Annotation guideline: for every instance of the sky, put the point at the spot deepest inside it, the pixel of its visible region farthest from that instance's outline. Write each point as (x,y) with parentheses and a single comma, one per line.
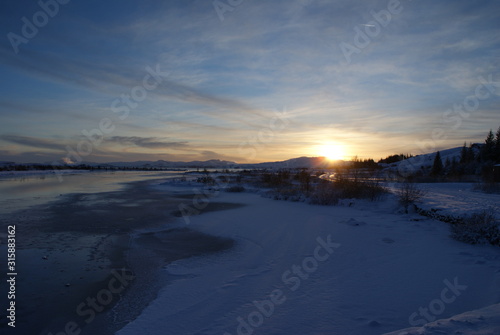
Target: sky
(245,80)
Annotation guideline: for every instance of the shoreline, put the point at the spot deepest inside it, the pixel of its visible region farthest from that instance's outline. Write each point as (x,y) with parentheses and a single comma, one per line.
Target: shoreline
(71,249)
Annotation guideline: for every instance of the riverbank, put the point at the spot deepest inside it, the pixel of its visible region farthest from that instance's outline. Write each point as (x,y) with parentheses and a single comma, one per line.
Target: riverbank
(92,261)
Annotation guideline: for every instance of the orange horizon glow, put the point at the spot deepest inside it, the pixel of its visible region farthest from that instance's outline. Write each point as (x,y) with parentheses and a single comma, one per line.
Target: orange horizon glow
(332,151)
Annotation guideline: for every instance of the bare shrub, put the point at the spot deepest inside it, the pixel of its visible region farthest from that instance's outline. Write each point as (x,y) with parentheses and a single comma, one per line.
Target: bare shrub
(325,194)
(478,228)
(235,189)
(329,193)
(487,187)
(374,191)
(408,193)
(206,180)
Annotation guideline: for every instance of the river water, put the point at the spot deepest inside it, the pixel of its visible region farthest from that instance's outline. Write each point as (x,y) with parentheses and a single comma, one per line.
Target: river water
(20,190)
(69,235)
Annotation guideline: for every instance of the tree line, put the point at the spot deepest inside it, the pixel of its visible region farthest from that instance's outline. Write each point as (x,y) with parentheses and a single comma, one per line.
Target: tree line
(475,159)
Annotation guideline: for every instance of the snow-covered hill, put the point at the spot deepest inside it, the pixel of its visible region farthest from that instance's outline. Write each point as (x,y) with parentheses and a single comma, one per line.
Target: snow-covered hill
(424,161)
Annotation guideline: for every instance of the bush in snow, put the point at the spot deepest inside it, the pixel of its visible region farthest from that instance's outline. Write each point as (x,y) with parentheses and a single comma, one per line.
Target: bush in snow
(325,194)
(235,188)
(478,228)
(290,194)
(488,187)
(277,180)
(329,193)
(408,192)
(206,180)
(349,188)
(374,191)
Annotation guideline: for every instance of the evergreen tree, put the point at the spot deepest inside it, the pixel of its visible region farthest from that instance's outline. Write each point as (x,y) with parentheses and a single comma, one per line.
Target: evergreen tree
(463,154)
(497,146)
(488,149)
(454,167)
(437,166)
(447,164)
(470,153)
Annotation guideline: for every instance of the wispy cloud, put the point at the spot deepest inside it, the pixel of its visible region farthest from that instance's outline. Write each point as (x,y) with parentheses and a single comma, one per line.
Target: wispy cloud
(112,78)
(146,142)
(225,78)
(33,142)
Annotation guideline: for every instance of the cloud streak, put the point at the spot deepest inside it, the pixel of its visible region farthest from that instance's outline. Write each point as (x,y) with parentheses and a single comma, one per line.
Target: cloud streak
(226,78)
(33,142)
(111,78)
(147,142)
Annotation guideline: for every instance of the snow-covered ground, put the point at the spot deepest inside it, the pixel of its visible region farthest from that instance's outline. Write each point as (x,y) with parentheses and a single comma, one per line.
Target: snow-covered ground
(454,198)
(304,269)
(484,321)
(458,198)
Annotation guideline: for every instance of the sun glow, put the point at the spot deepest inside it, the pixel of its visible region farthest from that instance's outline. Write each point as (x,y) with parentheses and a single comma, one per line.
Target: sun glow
(332,151)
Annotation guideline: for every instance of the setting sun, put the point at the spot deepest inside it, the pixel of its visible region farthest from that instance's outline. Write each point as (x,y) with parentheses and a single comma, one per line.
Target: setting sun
(332,151)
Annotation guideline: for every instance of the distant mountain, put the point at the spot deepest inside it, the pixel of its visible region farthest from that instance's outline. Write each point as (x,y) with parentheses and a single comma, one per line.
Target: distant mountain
(412,164)
(294,163)
(301,162)
(213,163)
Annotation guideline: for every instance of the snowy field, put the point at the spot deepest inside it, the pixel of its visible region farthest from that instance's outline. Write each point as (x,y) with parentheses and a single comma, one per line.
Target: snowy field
(454,199)
(305,269)
(458,198)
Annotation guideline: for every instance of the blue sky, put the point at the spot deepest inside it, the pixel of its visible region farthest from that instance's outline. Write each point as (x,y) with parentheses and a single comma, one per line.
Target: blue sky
(245,80)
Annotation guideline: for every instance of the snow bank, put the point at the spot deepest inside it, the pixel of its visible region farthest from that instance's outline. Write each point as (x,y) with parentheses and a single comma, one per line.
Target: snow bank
(484,321)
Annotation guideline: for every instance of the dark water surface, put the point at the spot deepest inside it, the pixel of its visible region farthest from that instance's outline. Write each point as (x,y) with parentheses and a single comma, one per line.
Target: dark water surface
(21,190)
(73,238)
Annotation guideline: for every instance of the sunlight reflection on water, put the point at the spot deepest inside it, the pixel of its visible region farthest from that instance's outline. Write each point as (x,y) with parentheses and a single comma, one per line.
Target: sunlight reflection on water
(21,191)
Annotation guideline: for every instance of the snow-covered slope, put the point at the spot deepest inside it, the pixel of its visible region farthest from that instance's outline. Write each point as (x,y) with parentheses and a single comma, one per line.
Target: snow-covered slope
(303,269)
(416,163)
(455,199)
